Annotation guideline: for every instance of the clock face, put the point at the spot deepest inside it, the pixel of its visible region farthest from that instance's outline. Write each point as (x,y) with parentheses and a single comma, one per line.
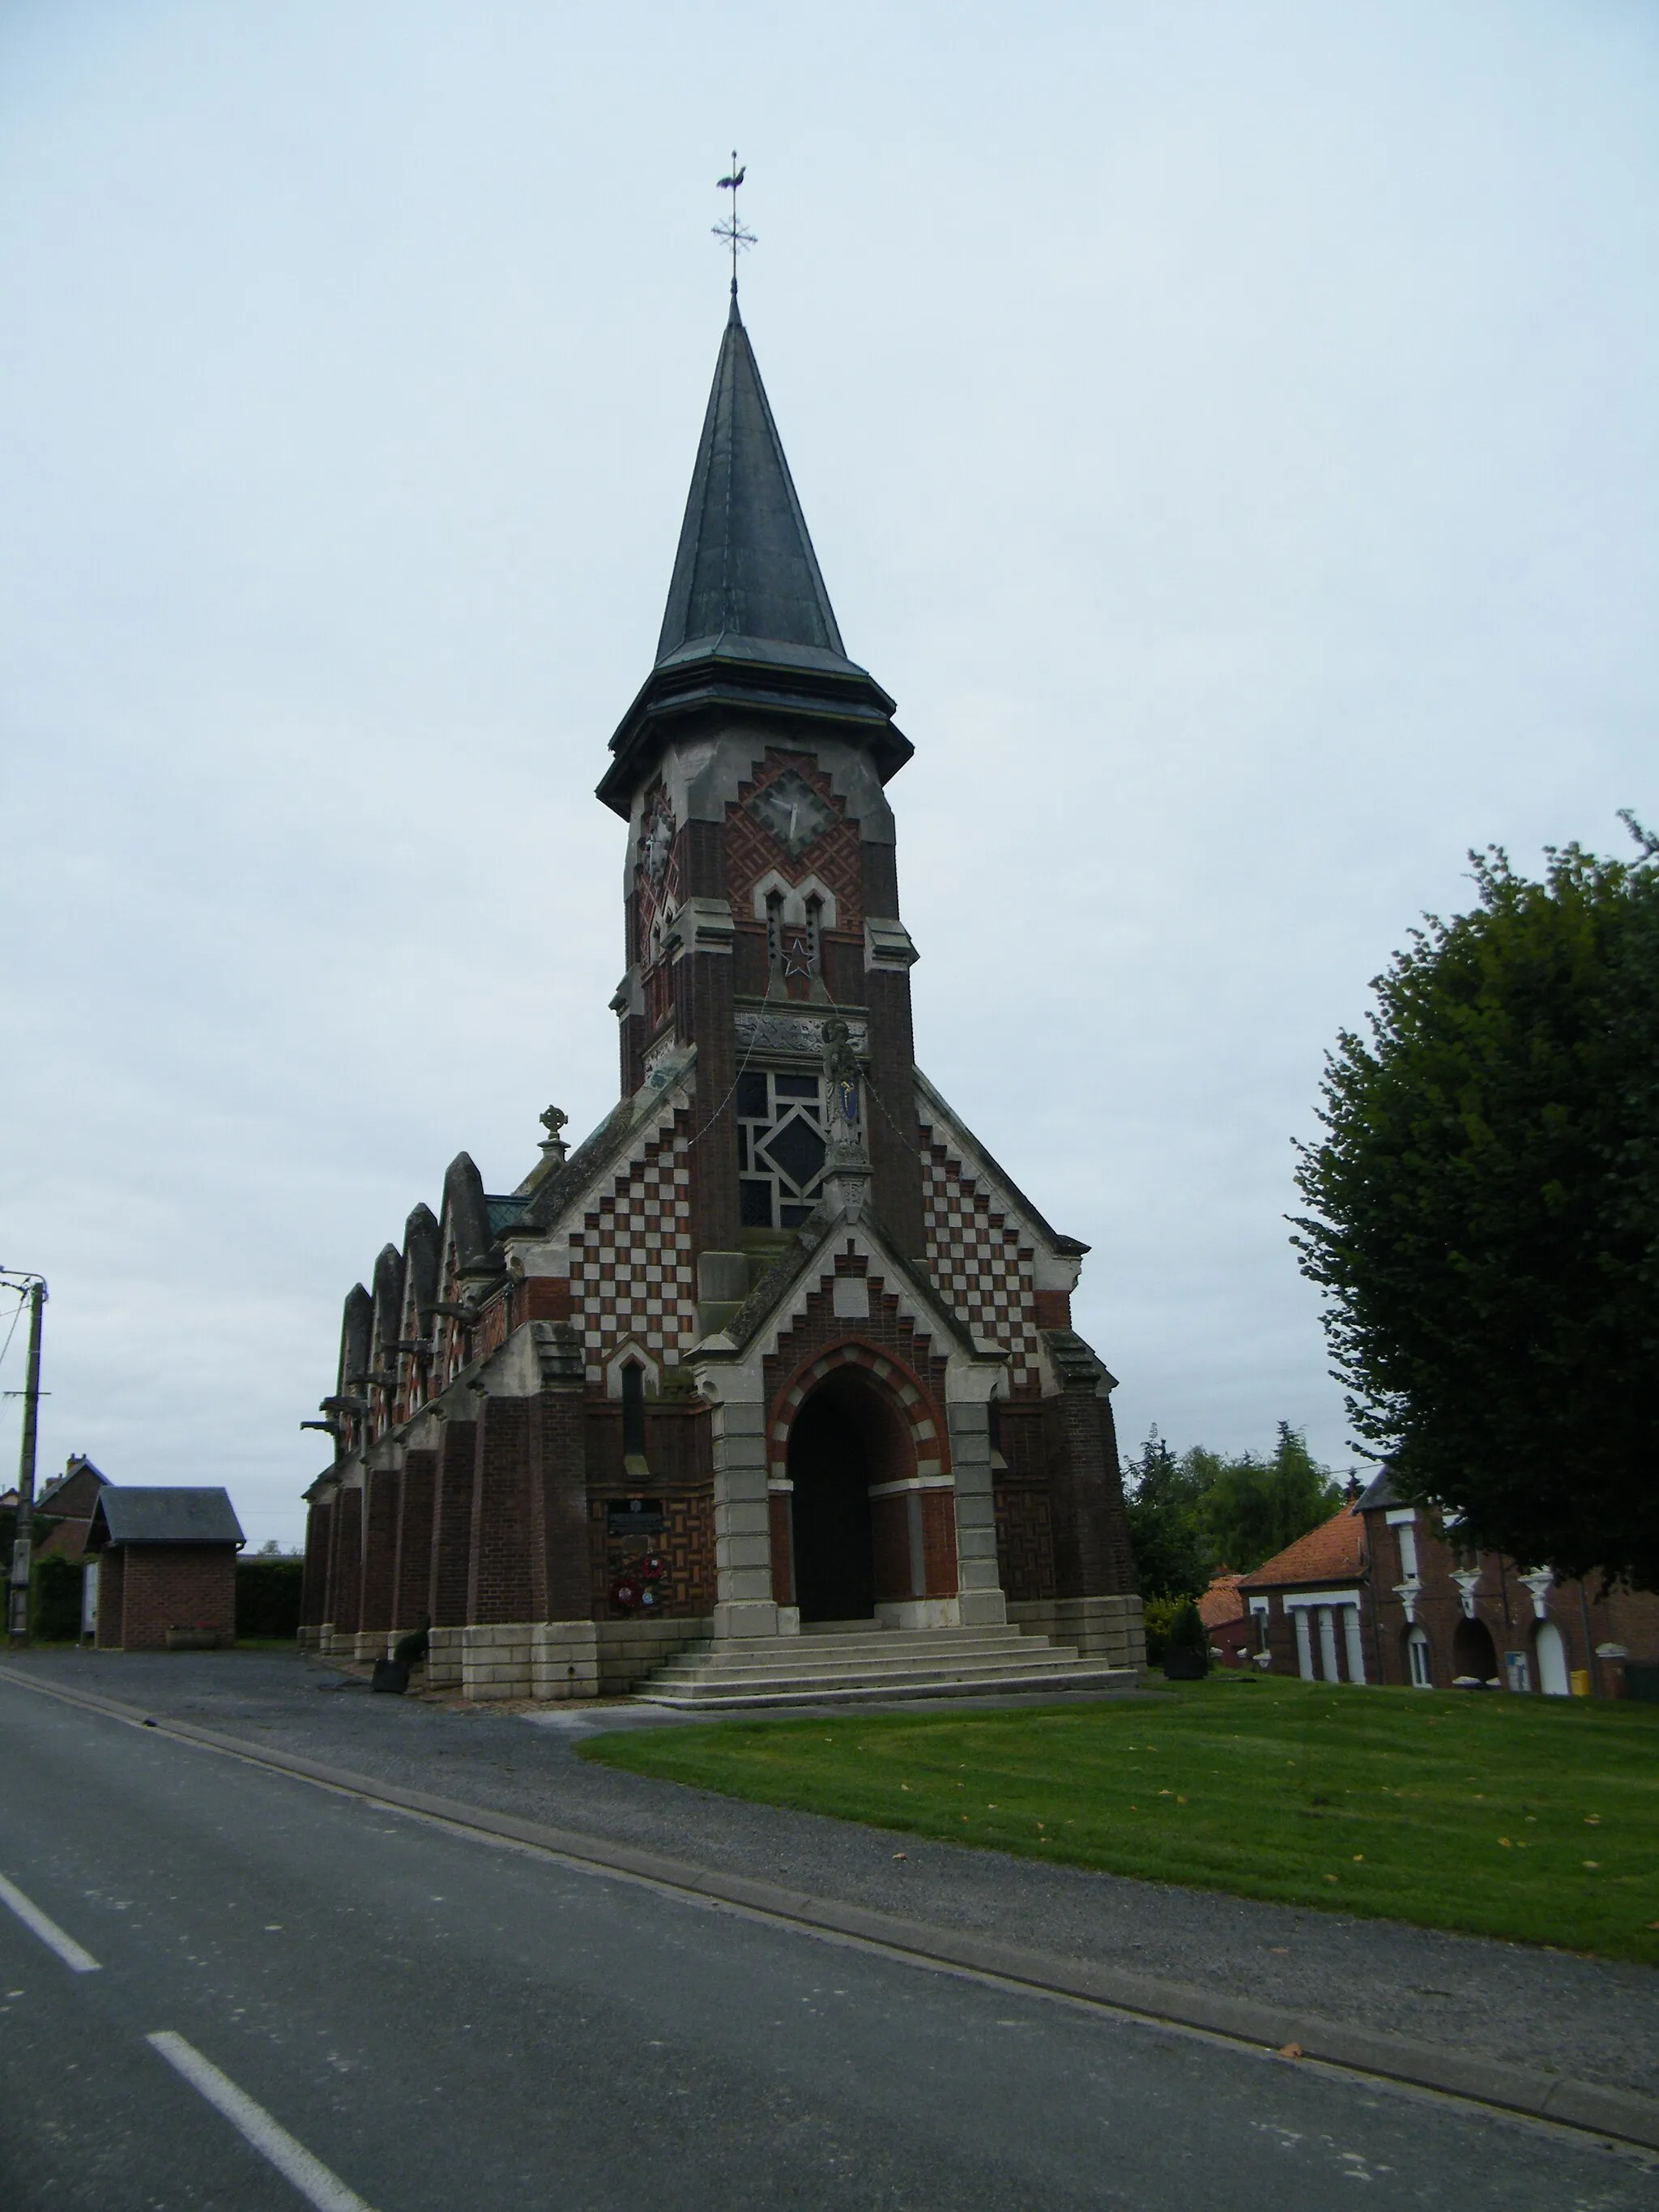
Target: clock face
(791,811)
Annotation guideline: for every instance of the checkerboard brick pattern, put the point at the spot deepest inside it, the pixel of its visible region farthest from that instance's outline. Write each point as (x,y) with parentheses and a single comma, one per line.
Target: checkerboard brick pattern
(975,1257)
(631,1273)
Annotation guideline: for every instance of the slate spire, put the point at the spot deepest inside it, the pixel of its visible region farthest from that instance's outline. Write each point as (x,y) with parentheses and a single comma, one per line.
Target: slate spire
(745,567)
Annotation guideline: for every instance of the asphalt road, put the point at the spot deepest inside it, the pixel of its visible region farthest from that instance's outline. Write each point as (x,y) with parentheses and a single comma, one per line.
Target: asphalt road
(406,2017)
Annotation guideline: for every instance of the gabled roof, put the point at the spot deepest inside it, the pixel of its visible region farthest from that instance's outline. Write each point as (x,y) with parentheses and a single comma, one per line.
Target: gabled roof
(1333,1553)
(1380,1491)
(745,567)
(135,1515)
(79,1467)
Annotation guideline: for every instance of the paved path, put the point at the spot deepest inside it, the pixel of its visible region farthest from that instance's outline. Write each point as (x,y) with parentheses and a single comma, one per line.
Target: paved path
(407,2017)
(1510,2003)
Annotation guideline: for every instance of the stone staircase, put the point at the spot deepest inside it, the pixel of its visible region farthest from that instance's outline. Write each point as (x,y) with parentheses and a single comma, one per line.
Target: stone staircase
(857,1663)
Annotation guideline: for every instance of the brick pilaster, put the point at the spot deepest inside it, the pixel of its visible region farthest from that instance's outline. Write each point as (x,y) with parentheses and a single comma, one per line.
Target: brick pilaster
(411,1577)
(499,1583)
(313,1588)
(348,1562)
(379,1548)
(451,1526)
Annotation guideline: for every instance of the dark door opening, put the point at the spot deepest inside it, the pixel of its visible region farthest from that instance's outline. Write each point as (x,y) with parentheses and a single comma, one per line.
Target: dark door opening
(835,1559)
(1473,1654)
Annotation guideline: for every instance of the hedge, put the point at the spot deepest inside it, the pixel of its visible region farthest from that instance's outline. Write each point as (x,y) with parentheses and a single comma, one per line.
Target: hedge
(268,1596)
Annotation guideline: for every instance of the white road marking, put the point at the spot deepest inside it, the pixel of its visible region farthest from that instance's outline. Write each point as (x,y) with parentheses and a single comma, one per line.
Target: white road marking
(78,1961)
(255,2126)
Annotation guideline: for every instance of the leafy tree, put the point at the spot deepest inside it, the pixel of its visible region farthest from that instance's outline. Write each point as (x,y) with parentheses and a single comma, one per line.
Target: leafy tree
(1190,1515)
(1162,1495)
(1485,1213)
(1252,1508)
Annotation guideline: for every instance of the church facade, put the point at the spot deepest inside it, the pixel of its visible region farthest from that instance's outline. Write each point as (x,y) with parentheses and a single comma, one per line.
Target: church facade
(780,1350)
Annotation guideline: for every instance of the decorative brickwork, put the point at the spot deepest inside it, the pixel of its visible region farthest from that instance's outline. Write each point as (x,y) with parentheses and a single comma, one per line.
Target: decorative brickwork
(753,852)
(1025,1539)
(982,1269)
(888,1344)
(631,1272)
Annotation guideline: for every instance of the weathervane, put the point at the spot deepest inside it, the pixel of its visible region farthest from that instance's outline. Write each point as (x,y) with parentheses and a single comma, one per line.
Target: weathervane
(732,230)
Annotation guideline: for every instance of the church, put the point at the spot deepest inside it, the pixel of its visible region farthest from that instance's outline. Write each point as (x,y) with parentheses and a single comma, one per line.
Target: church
(768,1391)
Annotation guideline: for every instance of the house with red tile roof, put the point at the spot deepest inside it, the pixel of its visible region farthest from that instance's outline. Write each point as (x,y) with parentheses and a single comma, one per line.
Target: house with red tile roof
(1308,1604)
(1384,1592)
(1226,1622)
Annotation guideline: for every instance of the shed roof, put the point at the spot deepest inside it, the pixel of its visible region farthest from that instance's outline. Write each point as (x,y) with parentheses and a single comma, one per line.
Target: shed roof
(1333,1553)
(135,1515)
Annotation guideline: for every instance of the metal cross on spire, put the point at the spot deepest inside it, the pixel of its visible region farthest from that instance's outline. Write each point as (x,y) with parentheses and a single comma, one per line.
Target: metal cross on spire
(732,230)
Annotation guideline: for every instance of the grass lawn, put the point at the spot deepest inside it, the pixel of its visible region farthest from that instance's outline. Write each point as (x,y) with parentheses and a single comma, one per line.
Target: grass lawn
(1535,1819)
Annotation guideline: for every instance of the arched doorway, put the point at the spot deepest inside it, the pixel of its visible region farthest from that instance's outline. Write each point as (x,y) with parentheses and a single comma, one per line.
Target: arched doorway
(848,1439)
(1553,1679)
(1473,1653)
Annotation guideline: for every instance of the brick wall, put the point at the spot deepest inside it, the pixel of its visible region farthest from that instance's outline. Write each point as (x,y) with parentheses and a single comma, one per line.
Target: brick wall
(314,1590)
(451,1525)
(412,1568)
(162,1586)
(379,1549)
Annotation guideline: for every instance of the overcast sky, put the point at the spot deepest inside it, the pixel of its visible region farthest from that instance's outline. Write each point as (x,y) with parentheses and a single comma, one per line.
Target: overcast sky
(1227,430)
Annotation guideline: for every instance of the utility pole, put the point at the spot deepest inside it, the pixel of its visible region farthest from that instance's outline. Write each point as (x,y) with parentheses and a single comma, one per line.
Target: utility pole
(17,1610)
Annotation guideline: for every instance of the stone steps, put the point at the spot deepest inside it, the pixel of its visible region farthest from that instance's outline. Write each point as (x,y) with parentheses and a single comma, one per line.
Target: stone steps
(775,1654)
(742,1674)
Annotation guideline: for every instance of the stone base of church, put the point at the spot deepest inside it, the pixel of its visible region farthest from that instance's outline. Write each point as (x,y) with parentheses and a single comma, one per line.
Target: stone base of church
(1106,1628)
(551,1660)
(309,1639)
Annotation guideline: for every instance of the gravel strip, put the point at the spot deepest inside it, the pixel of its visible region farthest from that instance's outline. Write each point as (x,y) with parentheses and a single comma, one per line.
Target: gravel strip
(1591,2019)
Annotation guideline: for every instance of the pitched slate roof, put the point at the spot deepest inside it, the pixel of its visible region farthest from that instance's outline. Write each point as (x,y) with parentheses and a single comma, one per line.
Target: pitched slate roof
(1333,1553)
(136,1515)
(746,567)
(1380,1491)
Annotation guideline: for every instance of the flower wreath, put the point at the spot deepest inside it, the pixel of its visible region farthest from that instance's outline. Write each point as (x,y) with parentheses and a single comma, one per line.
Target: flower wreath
(635,1590)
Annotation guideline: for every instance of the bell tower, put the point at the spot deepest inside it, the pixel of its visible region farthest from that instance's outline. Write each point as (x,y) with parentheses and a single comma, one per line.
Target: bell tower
(761,889)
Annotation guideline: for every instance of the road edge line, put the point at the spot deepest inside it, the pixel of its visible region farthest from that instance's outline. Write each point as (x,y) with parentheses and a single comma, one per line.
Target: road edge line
(301,2168)
(78,1961)
(1587,2106)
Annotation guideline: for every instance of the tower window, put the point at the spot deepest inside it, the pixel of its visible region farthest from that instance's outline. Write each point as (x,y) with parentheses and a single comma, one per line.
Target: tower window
(774,932)
(633,1410)
(781,1148)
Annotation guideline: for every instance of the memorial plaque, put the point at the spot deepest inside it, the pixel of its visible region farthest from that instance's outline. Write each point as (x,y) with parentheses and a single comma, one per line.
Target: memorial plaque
(634,1517)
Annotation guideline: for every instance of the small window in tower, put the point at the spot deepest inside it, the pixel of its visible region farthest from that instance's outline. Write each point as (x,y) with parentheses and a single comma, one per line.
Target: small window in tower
(814,946)
(754,1202)
(633,1409)
(774,931)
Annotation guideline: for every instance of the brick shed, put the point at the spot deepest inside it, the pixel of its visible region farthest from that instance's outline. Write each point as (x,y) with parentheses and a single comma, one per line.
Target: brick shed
(167,1567)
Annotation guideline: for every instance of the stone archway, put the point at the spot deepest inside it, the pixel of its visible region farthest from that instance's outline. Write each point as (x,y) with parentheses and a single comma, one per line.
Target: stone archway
(848,1439)
(863,1538)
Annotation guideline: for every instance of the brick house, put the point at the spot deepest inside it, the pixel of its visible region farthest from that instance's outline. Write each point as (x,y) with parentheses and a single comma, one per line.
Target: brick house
(68,1501)
(1308,1604)
(1226,1623)
(1382,1592)
(166,1561)
(781,1344)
